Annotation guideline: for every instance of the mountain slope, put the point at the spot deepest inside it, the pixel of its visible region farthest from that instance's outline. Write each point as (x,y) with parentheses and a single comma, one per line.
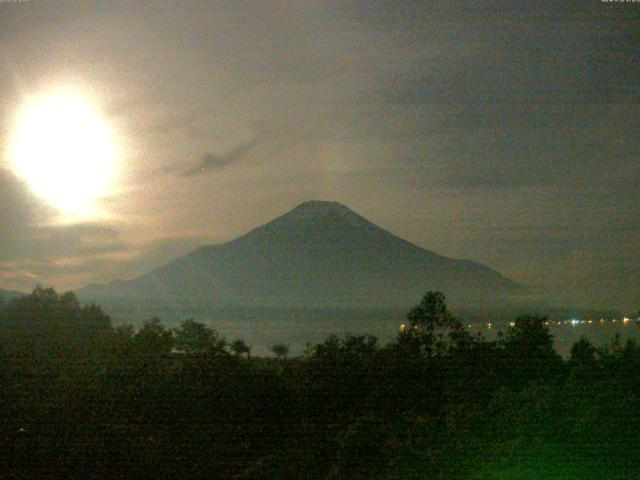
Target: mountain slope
(318,254)
(7,295)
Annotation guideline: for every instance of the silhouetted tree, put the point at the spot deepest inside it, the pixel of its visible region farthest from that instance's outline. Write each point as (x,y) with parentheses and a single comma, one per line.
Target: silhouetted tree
(48,323)
(583,353)
(431,312)
(153,339)
(280,350)
(430,325)
(239,347)
(196,338)
(349,409)
(124,332)
(350,348)
(529,348)
(530,336)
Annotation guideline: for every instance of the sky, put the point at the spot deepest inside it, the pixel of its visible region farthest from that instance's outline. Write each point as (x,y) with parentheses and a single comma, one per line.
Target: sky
(504,132)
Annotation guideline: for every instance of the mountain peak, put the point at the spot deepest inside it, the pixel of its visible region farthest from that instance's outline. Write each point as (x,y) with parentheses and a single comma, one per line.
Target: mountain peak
(320,206)
(318,253)
(311,220)
(313,211)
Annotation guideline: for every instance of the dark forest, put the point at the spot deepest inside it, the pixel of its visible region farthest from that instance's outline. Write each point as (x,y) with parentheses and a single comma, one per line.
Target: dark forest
(84,398)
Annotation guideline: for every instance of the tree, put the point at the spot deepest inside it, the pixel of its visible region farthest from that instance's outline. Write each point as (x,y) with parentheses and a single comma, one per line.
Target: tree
(431,312)
(351,348)
(529,347)
(153,339)
(429,323)
(196,338)
(280,350)
(529,336)
(45,321)
(583,353)
(239,347)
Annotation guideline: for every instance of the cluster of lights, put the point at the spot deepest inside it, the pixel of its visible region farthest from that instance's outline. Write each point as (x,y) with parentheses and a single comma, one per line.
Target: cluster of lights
(573,322)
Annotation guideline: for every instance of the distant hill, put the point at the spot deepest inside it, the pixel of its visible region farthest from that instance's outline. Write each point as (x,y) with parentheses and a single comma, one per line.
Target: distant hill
(6,294)
(320,254)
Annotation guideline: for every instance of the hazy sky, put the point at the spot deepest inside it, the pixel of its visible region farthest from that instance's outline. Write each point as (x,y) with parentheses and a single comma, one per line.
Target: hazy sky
(505,132)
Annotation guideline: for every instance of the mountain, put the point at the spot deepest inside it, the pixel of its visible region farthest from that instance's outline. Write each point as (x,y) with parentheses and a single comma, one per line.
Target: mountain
(320,254)
(7,295)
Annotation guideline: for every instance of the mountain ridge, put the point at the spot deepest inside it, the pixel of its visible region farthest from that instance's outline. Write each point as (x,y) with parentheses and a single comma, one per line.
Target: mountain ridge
(9,294)
(319,253)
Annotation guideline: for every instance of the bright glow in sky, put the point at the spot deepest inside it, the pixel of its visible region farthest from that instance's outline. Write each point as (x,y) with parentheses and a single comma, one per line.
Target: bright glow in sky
(65,151)
(478,141)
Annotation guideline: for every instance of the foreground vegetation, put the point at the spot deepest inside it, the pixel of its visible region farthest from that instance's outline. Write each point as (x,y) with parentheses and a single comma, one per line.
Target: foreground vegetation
(83,398)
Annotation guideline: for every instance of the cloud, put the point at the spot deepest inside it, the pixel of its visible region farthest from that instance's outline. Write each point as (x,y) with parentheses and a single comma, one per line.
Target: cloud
(79,239)
(105,266)
(30,239)
(425,103)
(33,250)
(20,212)
(211,162)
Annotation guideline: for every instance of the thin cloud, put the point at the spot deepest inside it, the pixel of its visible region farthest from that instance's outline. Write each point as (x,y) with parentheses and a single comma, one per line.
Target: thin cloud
(27,233)
(211,161)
